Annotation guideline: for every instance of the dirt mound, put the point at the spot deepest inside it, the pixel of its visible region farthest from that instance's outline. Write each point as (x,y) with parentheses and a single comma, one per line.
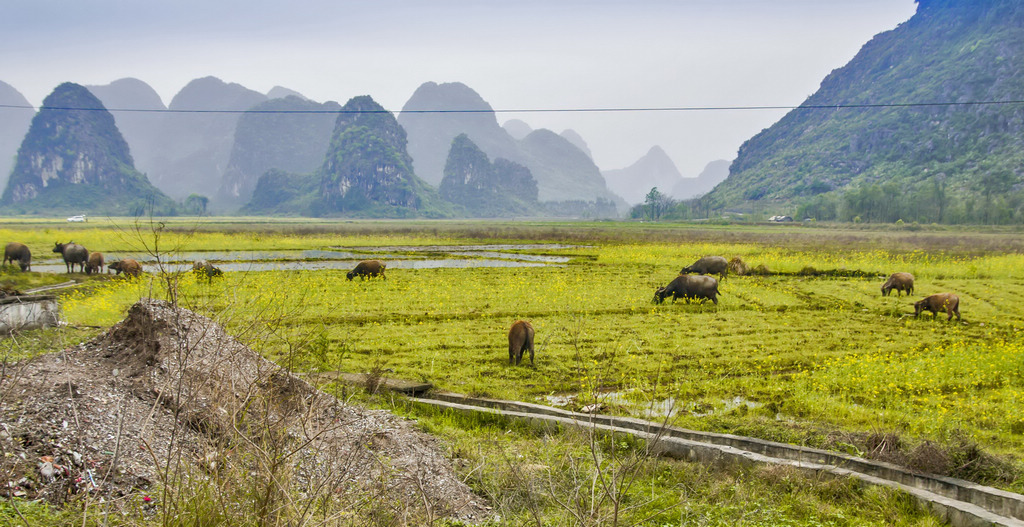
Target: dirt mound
(167,400)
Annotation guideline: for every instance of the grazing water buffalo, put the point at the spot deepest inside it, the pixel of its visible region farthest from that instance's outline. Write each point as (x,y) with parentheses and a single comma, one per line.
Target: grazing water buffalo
(900,282)
(95,263)
(368,268)
(520,339)
(73,254)
(127,266)
(18,252)
(204,269)
(948,302)
(708,265)
(689,287)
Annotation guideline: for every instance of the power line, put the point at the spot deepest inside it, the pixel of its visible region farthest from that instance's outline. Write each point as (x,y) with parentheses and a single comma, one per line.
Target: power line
(841,106)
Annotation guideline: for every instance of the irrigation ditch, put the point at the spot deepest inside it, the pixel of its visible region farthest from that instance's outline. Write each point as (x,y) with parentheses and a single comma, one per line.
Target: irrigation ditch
(958,502)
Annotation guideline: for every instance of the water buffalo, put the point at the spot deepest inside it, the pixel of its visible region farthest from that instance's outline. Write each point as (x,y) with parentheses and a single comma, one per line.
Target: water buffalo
(368,268)
(948,302)
(127,266)
(708,265)
(18,252)
(689,287)
(900,282)
(95,263)
(520,339)
(73,254)
(204,269)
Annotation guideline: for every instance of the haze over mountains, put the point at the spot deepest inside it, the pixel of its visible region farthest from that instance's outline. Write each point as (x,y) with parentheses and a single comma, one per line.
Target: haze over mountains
(13,128)
(291,142)
(139,128)
(869,144)
(218,139)
(562,170)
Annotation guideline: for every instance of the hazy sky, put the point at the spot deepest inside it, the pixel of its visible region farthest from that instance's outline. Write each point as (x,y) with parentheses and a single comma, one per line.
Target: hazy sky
(516,54)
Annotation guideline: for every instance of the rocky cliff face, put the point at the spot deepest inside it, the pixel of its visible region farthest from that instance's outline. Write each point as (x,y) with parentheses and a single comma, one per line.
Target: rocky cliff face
(77,160)
(367,164)
(195,147)
(139,128)
(14,123)
(654,169)
(289,142)
(948,52)
(486,189)
(367,172)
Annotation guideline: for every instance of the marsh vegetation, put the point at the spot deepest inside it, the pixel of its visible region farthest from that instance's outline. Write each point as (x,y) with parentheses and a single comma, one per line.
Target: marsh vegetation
(807,351)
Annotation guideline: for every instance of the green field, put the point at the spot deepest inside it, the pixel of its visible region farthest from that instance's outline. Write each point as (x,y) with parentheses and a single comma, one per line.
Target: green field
(808,353)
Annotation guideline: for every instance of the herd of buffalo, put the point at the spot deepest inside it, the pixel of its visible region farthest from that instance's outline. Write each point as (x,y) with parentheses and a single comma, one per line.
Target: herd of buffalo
(701,286)
(693,283)
(90,262)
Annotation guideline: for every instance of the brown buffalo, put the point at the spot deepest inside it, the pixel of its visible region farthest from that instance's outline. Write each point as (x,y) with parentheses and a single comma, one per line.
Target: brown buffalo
(95,263)
(708,265)
(689,287)
(520,339)
(900,282)
(73,254)
(948,302)
(18,252)
(207,270)
(368,268)
(127,266)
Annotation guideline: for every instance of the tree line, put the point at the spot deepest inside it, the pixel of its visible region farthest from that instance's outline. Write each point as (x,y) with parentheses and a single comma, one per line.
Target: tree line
(994,201)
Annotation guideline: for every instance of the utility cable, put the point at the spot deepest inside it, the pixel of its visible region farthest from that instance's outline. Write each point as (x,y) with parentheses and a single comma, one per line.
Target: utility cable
(841,106)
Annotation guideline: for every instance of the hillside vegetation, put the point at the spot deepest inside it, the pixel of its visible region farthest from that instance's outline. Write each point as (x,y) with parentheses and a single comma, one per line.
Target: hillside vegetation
(76,160)
(916,145)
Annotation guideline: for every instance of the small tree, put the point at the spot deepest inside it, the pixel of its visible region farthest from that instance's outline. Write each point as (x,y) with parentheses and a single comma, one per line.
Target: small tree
(196,204)
(656,204)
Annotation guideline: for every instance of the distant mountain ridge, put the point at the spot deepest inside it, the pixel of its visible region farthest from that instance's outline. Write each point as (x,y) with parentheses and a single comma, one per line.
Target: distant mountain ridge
(77,161)
(886,161)
(14,124)
(714,173)
(139,128)
(195,147)
(654,169)
(562,170)
(485,189)
(366,172)
(290,134)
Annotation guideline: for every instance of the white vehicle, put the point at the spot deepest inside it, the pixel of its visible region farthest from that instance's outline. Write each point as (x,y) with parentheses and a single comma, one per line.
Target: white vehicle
(77,219)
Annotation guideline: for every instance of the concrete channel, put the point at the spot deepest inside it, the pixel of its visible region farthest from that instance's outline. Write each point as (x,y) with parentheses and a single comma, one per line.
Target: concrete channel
(24,312)
(958,502)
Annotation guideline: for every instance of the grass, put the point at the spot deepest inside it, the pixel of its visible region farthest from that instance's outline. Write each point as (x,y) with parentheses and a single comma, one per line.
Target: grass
(817,360)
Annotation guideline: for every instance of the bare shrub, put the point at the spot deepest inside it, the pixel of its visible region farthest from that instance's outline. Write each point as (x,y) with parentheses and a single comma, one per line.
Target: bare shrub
(969,461)
(886,446)
(373,378)
(928,457)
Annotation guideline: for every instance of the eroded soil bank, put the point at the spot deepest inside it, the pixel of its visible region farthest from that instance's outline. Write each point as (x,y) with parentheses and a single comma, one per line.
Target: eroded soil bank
(166,399)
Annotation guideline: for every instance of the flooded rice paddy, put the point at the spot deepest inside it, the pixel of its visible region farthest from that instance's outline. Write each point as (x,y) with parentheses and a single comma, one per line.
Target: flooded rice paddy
(397,257)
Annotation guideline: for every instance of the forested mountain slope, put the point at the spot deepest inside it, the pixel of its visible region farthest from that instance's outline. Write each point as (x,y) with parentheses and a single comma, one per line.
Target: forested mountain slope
(927,131)
(77,161)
